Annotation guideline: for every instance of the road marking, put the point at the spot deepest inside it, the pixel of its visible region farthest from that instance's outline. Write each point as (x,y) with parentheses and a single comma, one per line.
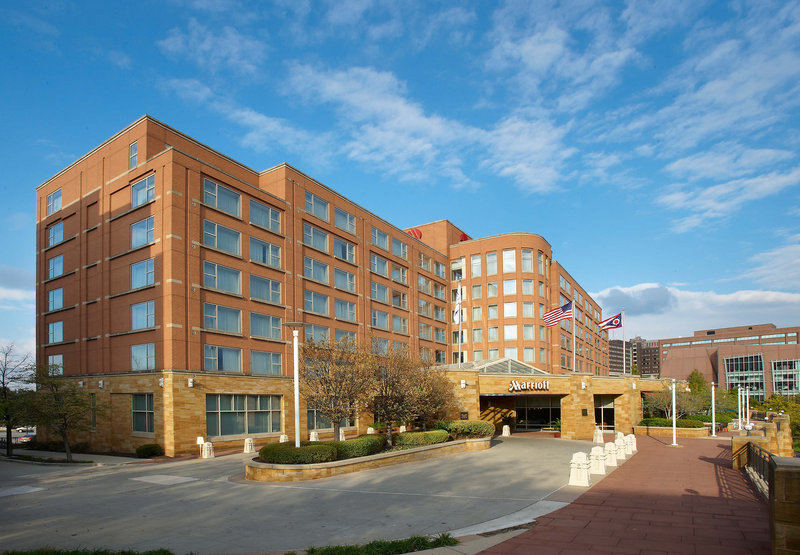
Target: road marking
(18,490)
(164,479)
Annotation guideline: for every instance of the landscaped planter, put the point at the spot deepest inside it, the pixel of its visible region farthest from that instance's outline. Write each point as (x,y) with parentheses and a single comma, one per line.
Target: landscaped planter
(660,431)
(267,472)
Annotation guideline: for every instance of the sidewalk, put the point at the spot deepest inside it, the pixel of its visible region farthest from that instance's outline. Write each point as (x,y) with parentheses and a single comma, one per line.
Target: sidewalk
(665,499)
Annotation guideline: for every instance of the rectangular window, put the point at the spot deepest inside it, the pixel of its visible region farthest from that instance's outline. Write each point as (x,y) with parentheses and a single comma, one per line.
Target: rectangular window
(315,302)
(527,287)
(423,284)
(265,216)
(476,292)
(143,191)
(540,259)
(494,354)
(222,359)
(491,289)
(475,265)
(264,363)
(509,261)
(344,220)
(399,299)
(54,202)
(528,354)
(510,352)
(509,287)
(55,266)
(527,260)
(314,237)
(379,292)
(542,355)
(265,253)
(344,335)
(133,155)
(456,270)
(438,269)
(265,326)
(438,291)
(142,413)
(425,308)
(477,316)
(528,310)
(143,273)
(439,313)
(143,315)
(344,310)
(316,270)
(221,277)
(425,262)
(477,335)
(491,312)
(55,332)
(491,263)
(477,355)
(228,415)
(399,249)
(509,310)
(529,332)
(399,274)
(55,234)
(541,333)
(344,279)
(493,333)
(55,364)
(510,332)
(316,206)
(221,237)
(143,357)
(439,335)
(424,331)
(55,299)
(378,265)
(380,239)
(344,250)
(541,289)
(142,232)
(265,289)
(222,318)
(316,333)
(399,324)
(317,421)
(380,319)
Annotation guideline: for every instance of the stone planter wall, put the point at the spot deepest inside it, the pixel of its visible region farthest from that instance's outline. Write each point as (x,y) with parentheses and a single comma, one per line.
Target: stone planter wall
(667,432)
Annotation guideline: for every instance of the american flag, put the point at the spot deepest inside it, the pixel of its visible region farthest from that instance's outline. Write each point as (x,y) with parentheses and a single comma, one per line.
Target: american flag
(612,323)
(557,314)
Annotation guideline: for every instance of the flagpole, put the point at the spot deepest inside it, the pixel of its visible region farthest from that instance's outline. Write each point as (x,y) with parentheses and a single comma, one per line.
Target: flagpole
(573,336)
(459,323)
(624,347)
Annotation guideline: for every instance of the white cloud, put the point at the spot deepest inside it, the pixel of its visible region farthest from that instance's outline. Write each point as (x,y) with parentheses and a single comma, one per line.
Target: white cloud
(778,267)
(728,160)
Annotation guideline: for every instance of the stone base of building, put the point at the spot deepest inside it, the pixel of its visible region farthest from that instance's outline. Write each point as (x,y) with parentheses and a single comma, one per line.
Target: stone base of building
(667,432)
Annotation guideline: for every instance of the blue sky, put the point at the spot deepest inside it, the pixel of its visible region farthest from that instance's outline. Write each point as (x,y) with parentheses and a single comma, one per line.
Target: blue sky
(653,144)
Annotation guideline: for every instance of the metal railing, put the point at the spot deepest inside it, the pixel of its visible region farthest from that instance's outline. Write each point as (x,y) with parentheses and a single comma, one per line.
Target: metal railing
(758,459)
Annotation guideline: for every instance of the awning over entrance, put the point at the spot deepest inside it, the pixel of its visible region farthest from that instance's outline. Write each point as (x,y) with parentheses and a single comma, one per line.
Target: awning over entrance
(499,366)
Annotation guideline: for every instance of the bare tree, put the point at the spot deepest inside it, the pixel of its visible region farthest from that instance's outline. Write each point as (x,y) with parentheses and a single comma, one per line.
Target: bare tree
(15,372)
(432,394)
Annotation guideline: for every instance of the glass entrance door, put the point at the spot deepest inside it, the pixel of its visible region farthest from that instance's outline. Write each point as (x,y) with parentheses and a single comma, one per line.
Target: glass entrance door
(535,412)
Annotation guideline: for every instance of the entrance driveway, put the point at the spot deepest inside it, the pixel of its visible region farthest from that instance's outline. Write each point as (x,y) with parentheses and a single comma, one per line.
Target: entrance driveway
(206,506)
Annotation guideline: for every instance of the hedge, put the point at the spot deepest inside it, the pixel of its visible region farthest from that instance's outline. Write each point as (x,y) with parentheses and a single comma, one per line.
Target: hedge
(722,417)
(667,423)
(287,453)
(421,438)
(149,450)
(460,429)
(359,447)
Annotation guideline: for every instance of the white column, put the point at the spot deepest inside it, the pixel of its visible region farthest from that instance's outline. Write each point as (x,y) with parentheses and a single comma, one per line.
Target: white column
(747,410)
(674,416)
(713,413)
(296,353)
(739,408)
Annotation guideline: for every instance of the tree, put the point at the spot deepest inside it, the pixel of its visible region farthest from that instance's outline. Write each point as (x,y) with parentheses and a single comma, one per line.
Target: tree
(432,394)
(61,405)
(15,371)
(697,382)
(661,401)
(336,378)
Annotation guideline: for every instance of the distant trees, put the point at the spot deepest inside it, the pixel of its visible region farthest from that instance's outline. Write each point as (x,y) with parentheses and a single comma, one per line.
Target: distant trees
(15,372)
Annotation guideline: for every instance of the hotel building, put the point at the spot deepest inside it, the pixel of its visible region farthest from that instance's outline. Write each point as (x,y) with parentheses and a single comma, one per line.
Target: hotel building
(166,272)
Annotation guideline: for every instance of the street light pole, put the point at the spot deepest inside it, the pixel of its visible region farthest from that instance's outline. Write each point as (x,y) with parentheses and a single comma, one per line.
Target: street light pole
(674,416)
(713,413)
(296,357)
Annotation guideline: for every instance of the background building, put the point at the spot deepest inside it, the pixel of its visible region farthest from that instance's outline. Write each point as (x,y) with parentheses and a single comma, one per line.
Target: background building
(166,271)
(640,352)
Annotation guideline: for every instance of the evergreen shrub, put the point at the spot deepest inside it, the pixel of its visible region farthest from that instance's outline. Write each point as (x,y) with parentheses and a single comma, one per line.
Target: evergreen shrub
(287,453)
(149,450)
(667,423)
(416,439)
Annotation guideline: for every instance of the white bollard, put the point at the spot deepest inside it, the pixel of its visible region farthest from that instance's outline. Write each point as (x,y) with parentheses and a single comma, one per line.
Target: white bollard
(506,430)
(284,438)
(370,430)
(402,429)
(341,435)
(620,443)
(619,435)
(597,458)
(579,471)
(632,439)
(313,436)
(598,436)
(249,445)
(611,454)
(207,451)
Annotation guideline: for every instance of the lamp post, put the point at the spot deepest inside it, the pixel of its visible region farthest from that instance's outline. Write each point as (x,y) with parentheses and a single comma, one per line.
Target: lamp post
(747,411)
(674,416)
(739,392)
(713,413)
(295,351)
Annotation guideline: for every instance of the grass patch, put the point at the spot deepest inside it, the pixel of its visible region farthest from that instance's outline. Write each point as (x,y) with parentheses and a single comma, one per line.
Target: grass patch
(382,547)
(796,445)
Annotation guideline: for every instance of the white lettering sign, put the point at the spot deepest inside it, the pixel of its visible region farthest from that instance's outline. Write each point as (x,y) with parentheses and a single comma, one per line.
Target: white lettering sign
(528,386)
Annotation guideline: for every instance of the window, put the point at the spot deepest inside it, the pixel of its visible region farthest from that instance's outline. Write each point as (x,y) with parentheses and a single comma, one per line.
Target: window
(477,315)
(143,315)
(315,238)
(399,249)
(477,335)
(316,333)
(221,237)
(438,269)
(494,354)
(143,191)
(54,202)
(344,250)
(528,354)
(55,234)
(265,253)
(265,216)
(378,264)
(527,287)
(265,289)
(491,289)
(379,292)
(509,261)
(142,273)
(540,260)
(475,265)
(527,310)
(399,274)
(491,263)
(380,239)
(142,413)
(344,220)
(477,355)
(264,363)
(509,310)
(221,277)
(55,299)
(344,279)
(439,335)
(316,206)
(510,332)
(142,232)
(399,324)
(143,357)
(380,319)
(316,270)
(527,261)
(423,284)
(424,331)
(425,308)
(242,414)
(55,364)
(438,290)
(541,333)
(317,421)
(529,332)
(55,332)
(491,312)
(425,262)
(222,318)
(456,270)
(344,335)
(263,325)
(510,352)
(222,359)
(55,266)
(439,313)
(541,310)
(133,155)
(315,302)
(344,310)
(542,355)
(476,291)
(541,289)
(399,299)
(509,287)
